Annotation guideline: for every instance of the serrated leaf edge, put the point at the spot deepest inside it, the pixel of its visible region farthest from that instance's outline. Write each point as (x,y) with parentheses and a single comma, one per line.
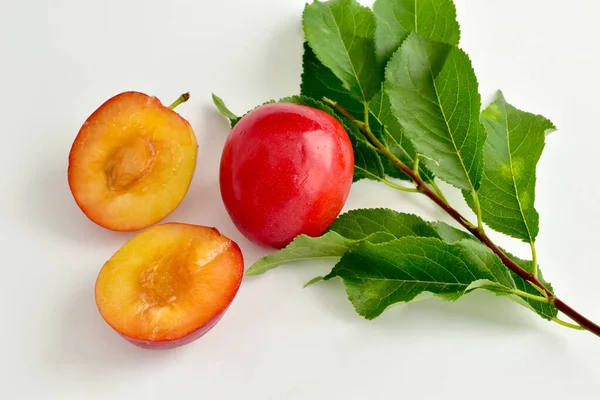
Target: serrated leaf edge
(482,135)
(365,98)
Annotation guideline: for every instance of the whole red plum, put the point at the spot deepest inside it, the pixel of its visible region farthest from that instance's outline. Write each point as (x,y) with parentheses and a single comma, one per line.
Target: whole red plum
(286,170)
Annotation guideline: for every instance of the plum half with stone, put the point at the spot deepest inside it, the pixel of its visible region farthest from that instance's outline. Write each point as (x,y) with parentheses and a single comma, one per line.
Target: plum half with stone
(286,169)
(169,285)
(132,162)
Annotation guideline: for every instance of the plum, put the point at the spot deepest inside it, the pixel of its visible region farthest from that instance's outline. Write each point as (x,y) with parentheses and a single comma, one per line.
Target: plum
(286,169)
(169,284)
(132,162)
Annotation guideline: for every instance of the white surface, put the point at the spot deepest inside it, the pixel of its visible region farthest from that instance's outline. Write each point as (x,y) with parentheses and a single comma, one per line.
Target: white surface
(61,59)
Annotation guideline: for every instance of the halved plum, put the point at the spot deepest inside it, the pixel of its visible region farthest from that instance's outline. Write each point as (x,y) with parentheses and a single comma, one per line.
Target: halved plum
(170,284)
(132,162)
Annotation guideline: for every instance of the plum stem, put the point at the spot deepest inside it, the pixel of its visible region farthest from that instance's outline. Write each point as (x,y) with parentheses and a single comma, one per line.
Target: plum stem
(181,99)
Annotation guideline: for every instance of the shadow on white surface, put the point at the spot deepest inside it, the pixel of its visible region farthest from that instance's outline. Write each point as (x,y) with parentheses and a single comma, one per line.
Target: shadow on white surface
(480,310)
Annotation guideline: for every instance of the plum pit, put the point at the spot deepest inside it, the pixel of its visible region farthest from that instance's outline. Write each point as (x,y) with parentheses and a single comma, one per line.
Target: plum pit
(130,163)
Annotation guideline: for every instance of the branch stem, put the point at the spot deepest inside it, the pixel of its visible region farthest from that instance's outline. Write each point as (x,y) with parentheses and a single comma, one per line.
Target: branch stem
(181,99)
(438,191)
(568,324)
(530,296)
(416,166)
(475,230)
(534,262)
(398,187)
(478,210)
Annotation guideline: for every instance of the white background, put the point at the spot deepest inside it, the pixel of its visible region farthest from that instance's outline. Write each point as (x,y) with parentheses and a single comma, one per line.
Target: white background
(60,59)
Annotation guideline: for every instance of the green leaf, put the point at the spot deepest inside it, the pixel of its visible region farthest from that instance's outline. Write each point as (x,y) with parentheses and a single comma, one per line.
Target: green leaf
(340,32)
(367,163)
(477,253)
(303,247)
(396,19)
(546,311)
(314,280)
(449,233)
(362,223)
(377,276)
(319,82)
(350,228)
(433,92)
(387,129)
(514,145)
(222,108)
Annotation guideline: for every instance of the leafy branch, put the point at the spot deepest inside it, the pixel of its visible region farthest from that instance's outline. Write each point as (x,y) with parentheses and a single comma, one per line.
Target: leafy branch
(476,230)
(409,99)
